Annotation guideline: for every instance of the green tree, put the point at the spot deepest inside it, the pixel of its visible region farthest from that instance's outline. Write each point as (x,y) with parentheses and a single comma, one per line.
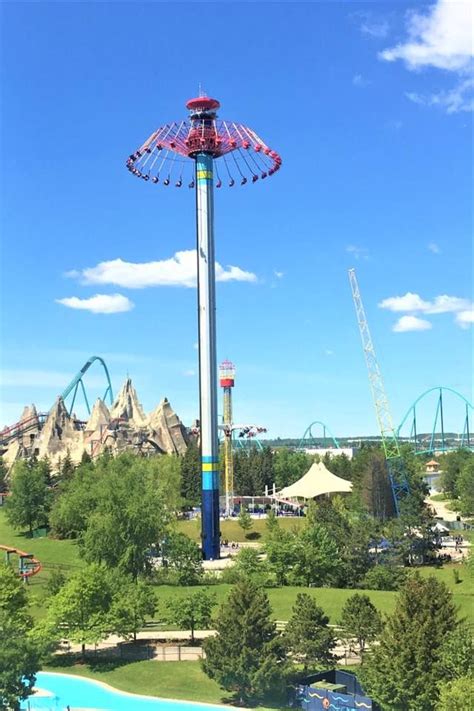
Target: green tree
(457,653)
(371,482)
(29,501)
(3,476)
(191,475)
(56,581)
(281,552)
(360,621)
(81,608)
(451,466)
(244,520)
(308,637)
(465,488)
(456,695)
(67,469)
(191,612)
(133,601)
(316,557)
(246,656)
(248,563)
(129,516)
(289,466)
(19,658)
(402,672)
(184,557)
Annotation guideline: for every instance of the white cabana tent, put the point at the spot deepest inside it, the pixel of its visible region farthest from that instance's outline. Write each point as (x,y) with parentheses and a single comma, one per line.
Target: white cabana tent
(316,482)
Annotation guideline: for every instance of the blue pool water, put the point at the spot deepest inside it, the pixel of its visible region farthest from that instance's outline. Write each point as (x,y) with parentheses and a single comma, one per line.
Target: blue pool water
(87,694)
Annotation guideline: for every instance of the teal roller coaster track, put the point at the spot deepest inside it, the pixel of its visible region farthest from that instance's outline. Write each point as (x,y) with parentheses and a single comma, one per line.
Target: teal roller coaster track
(78,381)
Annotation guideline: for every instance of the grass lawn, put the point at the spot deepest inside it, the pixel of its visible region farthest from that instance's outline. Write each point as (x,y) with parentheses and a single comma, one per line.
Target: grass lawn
(64,554)
(51,554)
(232,532)
(173,680)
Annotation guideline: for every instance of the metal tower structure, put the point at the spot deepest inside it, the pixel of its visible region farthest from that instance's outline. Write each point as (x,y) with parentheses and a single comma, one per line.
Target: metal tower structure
(191,151)
(227,381)
(395,464)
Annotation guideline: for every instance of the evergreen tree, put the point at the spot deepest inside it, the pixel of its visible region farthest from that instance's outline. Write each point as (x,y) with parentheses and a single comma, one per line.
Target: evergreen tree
(67,469)
(465,488)
(360,621)
(3,476)
(29,501)
(191,475)
(308,637)
(403,671)
(244,519)
(246,656)
(371,482)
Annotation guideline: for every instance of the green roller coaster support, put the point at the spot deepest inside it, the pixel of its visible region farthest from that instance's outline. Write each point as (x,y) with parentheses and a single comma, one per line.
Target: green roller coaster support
(77,380)
(466,440)
(309,433)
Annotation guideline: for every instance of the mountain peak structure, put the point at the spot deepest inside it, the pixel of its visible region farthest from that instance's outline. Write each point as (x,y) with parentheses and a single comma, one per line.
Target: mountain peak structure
(125,427)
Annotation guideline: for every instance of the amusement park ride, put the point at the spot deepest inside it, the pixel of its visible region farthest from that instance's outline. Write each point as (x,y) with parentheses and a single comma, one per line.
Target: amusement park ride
(245,432)
(395,463)
(191,151)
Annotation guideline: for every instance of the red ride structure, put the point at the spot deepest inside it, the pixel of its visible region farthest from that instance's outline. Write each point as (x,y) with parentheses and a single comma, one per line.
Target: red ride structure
(164,157)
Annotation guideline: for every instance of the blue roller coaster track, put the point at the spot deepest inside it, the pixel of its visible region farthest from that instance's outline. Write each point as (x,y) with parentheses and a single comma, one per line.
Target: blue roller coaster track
(78,381)
(309,439)
(437,440)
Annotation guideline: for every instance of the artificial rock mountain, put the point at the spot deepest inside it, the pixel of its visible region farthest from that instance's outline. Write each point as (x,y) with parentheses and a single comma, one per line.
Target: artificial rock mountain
(124,427)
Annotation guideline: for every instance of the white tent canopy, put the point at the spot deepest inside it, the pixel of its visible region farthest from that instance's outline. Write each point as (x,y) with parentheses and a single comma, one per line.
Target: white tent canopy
(316,482)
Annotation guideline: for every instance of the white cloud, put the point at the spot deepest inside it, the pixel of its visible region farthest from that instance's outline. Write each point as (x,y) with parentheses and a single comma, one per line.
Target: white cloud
(458,99)
(446,304)
(357,252)
(279,275)
(442,304)
(328,352)
(361,82)
(179,270)
(99,304)
(411,323)
(189,373)
(465,318)
(435,248)
(408,302)
(442,38)
(196,346)
(370,25)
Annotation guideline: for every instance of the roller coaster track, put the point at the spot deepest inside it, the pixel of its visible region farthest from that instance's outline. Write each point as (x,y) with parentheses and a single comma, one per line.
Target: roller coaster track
(77,380)
(37,421)
(22,427)
(28,564)
(437,441)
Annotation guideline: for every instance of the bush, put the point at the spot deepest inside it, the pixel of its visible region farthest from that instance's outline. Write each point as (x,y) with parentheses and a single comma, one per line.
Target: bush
(384,577)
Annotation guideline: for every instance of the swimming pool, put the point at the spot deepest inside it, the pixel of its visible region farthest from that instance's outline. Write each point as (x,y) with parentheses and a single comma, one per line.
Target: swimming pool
(59,690)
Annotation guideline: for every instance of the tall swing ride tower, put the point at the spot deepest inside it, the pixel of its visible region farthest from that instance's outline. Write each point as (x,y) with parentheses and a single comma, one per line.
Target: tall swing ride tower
(196,151)
(227,380)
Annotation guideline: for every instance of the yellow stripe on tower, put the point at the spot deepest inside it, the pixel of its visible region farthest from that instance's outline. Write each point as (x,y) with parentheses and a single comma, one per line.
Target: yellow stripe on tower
(204,175)
(210,467)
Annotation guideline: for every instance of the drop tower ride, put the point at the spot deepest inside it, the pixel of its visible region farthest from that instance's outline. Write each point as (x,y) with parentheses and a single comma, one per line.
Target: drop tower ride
(204,152)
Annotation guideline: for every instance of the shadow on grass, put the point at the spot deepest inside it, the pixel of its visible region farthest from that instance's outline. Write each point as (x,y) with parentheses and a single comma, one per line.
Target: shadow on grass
(253,536)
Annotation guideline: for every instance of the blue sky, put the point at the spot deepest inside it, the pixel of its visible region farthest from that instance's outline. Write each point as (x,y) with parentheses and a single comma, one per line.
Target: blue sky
(370,107)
